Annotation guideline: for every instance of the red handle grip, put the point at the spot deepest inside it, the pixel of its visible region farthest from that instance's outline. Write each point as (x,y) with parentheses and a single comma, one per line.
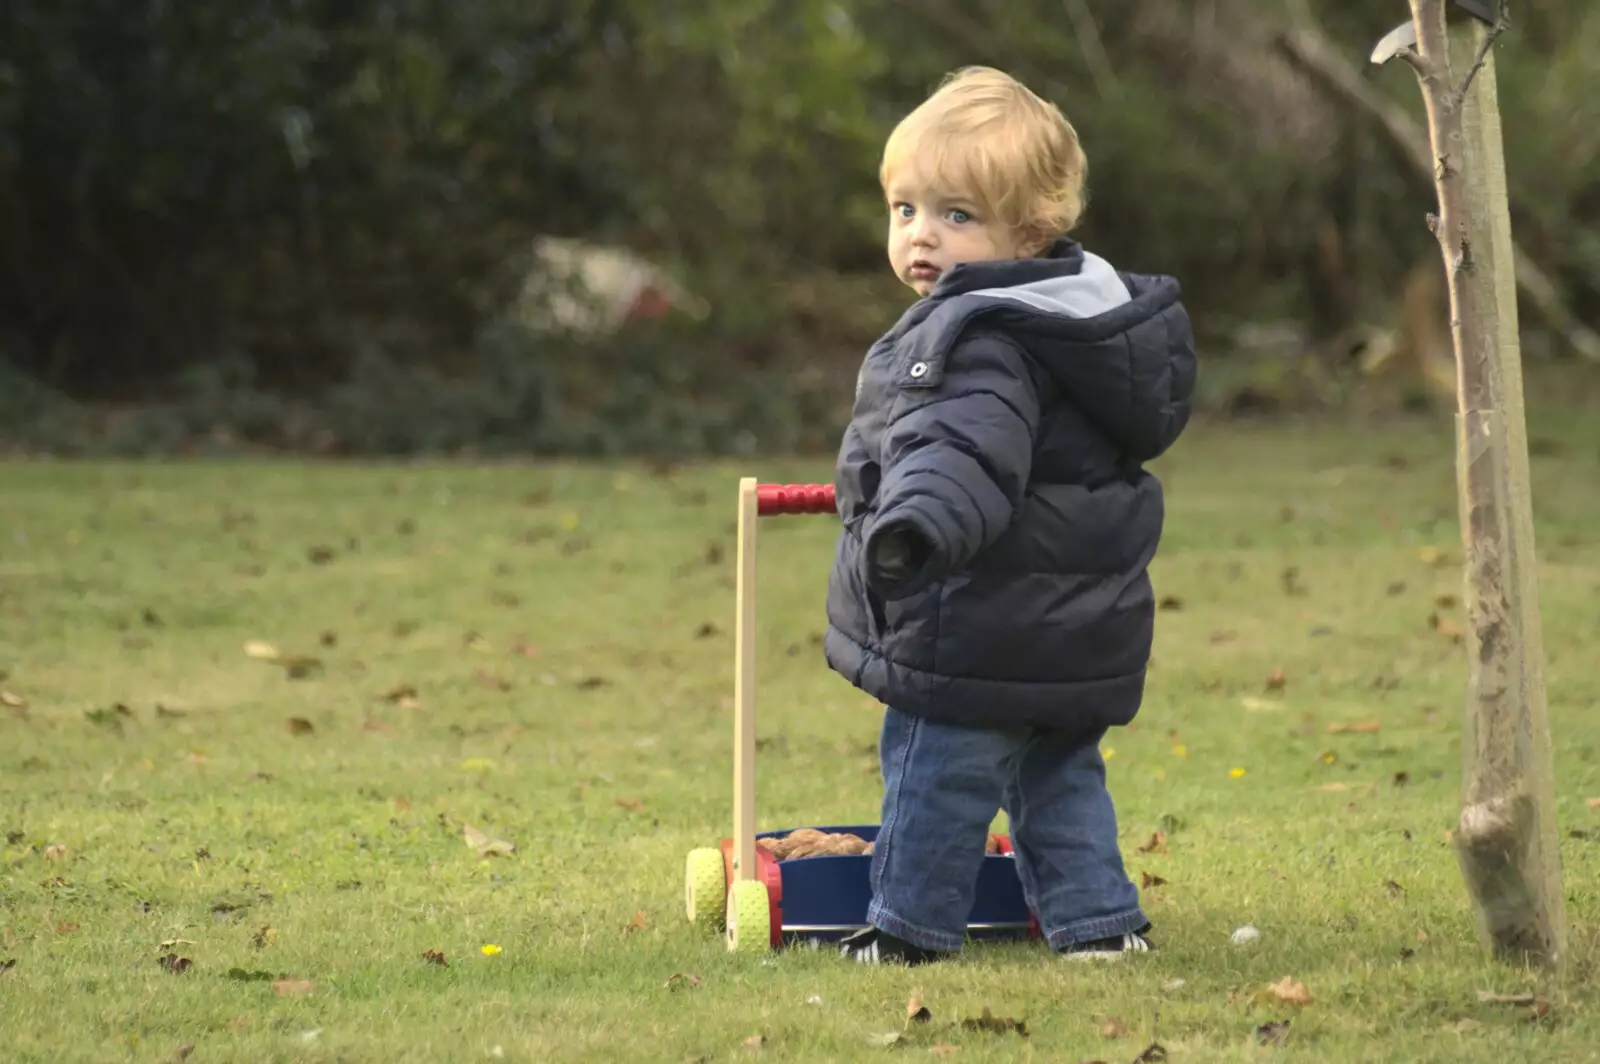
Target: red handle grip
(774,499)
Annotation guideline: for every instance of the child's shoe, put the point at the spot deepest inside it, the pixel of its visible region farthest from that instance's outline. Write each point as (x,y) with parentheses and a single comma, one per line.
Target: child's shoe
(873,946)
(1110,949)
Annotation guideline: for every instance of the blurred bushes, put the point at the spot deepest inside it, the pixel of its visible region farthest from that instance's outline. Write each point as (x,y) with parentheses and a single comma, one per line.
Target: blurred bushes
(296,223)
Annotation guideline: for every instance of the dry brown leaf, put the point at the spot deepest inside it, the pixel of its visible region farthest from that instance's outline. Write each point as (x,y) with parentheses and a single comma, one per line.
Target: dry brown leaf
(299,726)
(631,804)
(67,927)
(1445,626)
(1593,803)
(434,956)
(640,921)
(1290,992)
(1277,681)
(1364,727)
(263,937)
(404,696)
(755,1042)
(55,852)
(916,1011)
(175,964)
(486,845)
(1170,603)
(1146,881)
(1111,1027)
(678,980)
(1157,843)
(291,987)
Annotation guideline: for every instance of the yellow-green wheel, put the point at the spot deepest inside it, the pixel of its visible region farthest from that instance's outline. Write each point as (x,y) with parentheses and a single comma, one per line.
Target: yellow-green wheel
(705,889)
(749,917)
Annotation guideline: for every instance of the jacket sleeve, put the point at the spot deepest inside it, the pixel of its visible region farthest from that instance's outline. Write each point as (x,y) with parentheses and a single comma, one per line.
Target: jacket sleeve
(956,459)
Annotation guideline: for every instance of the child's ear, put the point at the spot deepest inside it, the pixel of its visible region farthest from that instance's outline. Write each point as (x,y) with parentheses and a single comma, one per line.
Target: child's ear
(1034,243)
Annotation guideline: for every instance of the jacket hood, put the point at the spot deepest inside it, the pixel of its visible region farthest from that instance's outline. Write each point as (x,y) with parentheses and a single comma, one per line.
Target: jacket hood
(1119,345)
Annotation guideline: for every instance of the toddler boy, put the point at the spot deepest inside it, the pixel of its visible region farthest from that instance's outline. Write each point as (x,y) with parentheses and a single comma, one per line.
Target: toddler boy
(990,585)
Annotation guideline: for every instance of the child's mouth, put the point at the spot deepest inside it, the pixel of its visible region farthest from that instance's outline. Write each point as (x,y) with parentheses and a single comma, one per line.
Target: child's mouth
(924,271)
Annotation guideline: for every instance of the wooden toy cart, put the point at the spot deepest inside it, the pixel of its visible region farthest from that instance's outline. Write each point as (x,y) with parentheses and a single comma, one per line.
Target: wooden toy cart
(742,890)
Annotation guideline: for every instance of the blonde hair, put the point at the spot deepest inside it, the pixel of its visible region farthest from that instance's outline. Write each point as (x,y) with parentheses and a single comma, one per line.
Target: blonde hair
(987,134)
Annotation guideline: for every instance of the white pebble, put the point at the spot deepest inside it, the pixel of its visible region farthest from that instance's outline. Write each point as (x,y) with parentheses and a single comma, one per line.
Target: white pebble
(1245,935)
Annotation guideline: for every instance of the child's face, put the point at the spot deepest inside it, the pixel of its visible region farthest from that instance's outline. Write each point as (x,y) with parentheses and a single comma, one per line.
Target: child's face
(932,229)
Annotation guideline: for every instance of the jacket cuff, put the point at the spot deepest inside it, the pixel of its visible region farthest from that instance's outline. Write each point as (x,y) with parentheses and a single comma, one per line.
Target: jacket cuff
(931,569)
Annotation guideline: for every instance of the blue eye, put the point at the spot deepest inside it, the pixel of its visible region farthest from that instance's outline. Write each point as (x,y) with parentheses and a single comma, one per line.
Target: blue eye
(904,210)
(959,216)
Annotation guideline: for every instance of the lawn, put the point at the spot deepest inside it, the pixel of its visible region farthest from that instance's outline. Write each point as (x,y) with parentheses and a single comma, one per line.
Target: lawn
(248,852)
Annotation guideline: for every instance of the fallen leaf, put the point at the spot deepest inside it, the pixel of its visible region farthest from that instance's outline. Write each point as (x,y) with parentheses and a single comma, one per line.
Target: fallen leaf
(299,726)
(678,980)
(175,964)
(1157,844)
(631,804)
(1111,1027)
(1153,1053)
(1146,881)
(491,681)
(1277,680)
(916,1011)
(1445,626)
(404,695)
(1273,1033)
(1290,992)
(755,1041)
(485,845)
(8,964)
(434,956)
(67,927)
(1363,727)
(1170,603)
(263,936)
(291,987)
(995,1024)
(1394,889)
(1538,1011)
(1486,997)
(640,921)
(55,852)
(15,701)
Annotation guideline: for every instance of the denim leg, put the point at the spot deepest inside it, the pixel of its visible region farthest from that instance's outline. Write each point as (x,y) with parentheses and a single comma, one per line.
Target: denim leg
(1064,833)
(942,787)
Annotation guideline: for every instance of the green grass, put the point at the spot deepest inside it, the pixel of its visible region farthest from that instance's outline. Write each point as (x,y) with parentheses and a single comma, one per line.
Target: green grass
(566,631)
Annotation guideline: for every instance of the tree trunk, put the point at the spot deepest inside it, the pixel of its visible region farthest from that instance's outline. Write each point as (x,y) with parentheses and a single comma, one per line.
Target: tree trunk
(1506,840)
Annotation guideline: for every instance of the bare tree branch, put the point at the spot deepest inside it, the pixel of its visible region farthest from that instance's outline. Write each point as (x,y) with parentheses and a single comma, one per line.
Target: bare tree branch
(1502,19)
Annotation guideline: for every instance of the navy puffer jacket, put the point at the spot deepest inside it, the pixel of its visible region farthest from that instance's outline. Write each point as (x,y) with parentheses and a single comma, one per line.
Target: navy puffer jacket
(1006,418)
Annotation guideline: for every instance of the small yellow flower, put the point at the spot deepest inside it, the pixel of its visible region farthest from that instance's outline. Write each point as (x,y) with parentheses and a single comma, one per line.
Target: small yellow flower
(1180,751)
(1109,753)
(1236,772)
(490,950)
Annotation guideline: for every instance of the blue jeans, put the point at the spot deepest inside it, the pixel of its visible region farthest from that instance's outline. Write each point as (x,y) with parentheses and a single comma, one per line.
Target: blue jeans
(942,786)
